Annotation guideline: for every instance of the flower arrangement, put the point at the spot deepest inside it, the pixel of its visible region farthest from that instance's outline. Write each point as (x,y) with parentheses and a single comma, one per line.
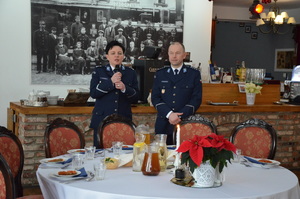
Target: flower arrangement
(213,148)
(252,88)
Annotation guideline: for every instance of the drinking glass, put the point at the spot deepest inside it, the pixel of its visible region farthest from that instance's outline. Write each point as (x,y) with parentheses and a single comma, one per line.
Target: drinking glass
(237,155)
(90,152)
(77,161)
(117,148)
(99,169)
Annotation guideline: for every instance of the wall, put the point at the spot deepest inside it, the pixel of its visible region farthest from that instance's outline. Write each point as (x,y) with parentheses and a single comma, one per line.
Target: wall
(15,39)
(233,43)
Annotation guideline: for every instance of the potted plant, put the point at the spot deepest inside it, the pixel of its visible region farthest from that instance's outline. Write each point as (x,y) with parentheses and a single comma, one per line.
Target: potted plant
(251,91)
(213,150)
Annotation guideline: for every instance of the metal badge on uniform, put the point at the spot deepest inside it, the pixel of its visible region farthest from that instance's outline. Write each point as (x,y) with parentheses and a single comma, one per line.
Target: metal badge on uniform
(163,91)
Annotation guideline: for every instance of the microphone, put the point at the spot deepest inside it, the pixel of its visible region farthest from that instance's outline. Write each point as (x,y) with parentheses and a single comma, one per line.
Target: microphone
(117,68)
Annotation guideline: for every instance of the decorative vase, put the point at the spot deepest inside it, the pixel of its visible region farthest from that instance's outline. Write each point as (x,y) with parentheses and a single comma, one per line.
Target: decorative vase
(250,98)
(204,175)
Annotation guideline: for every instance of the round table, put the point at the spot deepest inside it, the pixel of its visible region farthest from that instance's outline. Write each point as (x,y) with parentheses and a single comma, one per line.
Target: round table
(123,183)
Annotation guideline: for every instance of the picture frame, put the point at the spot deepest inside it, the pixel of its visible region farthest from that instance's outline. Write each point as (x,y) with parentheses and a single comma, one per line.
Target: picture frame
(247,29)
(242,88)
(284,59)
(254,35)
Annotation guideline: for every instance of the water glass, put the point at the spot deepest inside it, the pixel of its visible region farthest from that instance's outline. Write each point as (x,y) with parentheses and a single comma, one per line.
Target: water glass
(90,152)
(117,148)
(237,156)
(77,161)
(99,169)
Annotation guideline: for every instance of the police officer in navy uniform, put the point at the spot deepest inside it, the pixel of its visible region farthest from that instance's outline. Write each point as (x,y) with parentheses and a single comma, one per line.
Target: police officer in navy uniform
(176,92)
(114,86)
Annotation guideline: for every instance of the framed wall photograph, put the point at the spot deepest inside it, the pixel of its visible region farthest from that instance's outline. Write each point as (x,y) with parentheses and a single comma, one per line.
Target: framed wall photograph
(284,59)
(254,35)
(247,29)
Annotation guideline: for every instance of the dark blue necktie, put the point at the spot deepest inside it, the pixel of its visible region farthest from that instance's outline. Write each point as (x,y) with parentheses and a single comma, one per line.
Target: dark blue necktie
(176,72)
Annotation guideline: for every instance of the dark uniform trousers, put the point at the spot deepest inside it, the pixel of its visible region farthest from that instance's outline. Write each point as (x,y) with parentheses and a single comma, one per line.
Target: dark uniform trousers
(178,93)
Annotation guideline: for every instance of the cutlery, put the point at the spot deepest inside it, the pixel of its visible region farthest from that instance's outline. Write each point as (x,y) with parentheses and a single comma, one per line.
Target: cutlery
(92,175)
(65,166)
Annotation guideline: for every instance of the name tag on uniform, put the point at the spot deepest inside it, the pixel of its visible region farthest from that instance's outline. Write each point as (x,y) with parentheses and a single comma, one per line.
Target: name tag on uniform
(163,91)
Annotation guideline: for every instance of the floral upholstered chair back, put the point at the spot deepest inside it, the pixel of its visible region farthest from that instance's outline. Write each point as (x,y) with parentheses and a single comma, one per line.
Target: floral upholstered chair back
(62,135)
(116,128)
(255,138)
(195,125)
(7,188)
(12,150)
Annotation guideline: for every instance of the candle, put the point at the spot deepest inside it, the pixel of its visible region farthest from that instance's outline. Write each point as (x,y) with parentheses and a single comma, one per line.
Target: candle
(178,137)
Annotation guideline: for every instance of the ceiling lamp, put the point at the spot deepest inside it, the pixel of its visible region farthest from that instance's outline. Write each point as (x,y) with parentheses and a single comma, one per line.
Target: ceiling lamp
(256,8)
(271,22)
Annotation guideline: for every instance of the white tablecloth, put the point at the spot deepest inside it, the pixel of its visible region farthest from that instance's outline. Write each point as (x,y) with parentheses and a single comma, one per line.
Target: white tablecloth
(123,183)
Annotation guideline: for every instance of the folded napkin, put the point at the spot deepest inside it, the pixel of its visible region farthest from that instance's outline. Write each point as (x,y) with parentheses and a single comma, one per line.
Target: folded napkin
(125,158)
(83,173)
(253,160)
(127,148)
(65,162)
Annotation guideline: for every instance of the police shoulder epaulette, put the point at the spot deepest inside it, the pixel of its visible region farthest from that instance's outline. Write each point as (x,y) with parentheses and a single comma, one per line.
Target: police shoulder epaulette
(163,68)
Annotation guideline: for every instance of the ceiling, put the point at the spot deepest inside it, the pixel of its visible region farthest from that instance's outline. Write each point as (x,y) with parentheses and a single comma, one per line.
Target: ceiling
(283,4)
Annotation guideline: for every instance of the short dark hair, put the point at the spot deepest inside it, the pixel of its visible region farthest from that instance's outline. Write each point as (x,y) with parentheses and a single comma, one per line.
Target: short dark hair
(111,44)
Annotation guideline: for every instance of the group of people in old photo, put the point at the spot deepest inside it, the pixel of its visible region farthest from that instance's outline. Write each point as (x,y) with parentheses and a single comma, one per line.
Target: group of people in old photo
(79,45)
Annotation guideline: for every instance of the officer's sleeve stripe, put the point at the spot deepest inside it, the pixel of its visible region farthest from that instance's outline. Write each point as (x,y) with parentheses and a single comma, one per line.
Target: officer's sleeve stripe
(101,90)
(191,107)
(132,94)
(159,105)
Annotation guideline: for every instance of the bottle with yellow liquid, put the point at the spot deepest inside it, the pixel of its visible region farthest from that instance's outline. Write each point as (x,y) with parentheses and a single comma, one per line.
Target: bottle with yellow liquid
(139,148)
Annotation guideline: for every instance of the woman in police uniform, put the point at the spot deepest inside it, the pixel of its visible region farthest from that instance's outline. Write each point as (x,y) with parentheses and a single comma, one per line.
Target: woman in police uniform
(114,86)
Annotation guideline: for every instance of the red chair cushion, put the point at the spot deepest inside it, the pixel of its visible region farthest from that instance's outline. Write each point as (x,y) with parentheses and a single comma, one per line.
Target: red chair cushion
(10,151)
(2,187)
(63,139)
(117,132)
(187,131)
(254,142)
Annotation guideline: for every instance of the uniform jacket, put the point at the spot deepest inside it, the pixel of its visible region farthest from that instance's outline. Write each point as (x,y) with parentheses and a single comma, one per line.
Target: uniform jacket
(181,93)
(110,100)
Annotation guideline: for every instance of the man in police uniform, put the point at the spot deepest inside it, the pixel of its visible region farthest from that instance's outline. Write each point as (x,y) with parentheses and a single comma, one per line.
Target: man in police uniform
(114,87)
(176,92)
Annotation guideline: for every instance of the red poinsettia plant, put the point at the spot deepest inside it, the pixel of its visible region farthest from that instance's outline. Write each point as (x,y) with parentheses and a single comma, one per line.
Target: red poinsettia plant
(213,148)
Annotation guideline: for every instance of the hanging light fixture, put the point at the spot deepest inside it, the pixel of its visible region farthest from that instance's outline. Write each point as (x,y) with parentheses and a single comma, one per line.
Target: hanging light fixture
(272,21)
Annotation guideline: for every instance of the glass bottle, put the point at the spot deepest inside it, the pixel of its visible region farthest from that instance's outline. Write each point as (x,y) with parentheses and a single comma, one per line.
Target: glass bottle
(162,150)
(151,165)
(242,76)
(139,148)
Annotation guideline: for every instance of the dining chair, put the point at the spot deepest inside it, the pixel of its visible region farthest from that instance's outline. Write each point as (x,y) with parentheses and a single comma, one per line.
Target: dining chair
(116,128)
(8,187)
(12,150)
(60,136)
(256,138)
(194,125)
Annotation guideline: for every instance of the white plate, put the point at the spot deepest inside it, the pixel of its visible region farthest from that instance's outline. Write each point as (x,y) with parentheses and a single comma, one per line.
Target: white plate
(273,163)
(66,176)
(53,160)
(127,147)
(76,151)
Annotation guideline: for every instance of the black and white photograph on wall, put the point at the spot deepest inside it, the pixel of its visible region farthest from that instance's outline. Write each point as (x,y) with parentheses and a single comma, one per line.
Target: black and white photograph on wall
(69,37)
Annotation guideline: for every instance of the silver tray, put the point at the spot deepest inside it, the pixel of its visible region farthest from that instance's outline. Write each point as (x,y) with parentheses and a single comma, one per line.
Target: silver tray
(190,183)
